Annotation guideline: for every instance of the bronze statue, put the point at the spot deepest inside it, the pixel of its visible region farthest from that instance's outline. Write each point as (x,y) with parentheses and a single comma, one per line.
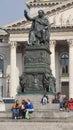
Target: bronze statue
(49,82)
(46,81)
(52,84)
(22,82)
(40,29)
(37,58)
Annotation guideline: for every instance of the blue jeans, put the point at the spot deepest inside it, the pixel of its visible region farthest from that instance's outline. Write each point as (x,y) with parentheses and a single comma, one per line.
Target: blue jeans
(61,104)
(15,113)
(29,111)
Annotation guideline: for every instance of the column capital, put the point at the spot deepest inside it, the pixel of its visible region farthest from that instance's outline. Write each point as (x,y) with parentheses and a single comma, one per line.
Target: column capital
(53,43)
(70,42)
(12,44)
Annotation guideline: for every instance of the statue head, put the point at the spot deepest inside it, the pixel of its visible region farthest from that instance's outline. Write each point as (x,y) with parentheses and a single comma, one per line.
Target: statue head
(41,13)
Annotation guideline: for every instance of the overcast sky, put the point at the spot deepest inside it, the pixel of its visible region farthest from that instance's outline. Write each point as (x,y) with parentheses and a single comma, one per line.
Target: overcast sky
(11,10)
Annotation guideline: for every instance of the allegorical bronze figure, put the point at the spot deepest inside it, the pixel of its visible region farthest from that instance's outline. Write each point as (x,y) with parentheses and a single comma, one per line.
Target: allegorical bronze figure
(40,29)
(37,76)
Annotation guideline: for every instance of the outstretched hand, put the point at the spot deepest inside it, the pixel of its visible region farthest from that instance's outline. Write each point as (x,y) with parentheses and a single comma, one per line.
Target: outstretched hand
(25,12)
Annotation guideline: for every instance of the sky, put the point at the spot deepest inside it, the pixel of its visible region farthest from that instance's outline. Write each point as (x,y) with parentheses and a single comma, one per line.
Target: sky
(11,10)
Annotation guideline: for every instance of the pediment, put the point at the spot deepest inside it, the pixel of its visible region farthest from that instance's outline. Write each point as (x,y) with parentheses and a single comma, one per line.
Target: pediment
(59,15)
(62,17)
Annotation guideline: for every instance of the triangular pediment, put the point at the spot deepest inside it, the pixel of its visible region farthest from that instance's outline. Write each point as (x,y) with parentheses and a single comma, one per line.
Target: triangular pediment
(62,17)
(59,15)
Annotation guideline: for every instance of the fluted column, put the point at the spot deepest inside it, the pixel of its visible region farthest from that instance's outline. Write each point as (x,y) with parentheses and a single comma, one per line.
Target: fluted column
(70,68)
(13,80)
(52,49)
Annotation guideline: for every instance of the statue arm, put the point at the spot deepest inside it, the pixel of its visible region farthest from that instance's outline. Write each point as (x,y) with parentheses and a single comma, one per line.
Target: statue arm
(48,24)
(27,17)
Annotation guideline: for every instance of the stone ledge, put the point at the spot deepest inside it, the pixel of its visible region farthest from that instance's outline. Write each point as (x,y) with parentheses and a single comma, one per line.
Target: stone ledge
(43,114)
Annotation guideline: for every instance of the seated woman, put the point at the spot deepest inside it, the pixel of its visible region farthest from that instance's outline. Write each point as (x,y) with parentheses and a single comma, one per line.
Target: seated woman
(23,109)
(70,104)
(16,110)
(44,100)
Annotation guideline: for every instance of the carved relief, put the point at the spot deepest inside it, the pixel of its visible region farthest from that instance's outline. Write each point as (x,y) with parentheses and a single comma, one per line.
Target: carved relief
(32,59)
(63,19)
(38,58)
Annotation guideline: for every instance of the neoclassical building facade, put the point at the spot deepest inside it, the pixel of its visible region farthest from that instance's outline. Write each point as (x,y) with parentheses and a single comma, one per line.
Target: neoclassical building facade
(14,38)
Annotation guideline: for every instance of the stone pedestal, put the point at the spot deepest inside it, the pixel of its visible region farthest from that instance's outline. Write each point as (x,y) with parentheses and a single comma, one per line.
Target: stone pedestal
(2,106)
(37,64)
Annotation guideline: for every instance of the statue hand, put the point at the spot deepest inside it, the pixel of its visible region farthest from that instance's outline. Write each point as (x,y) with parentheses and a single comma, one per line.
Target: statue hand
(25,12)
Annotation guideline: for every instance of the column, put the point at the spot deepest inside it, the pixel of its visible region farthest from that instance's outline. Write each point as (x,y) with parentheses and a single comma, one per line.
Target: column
(70,68)
(52,49)
(13,79)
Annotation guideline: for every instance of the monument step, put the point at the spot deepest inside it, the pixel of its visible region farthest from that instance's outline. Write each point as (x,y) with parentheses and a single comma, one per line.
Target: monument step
(38,106)
(9,119)
(33,97)
(41,114)
(48,106)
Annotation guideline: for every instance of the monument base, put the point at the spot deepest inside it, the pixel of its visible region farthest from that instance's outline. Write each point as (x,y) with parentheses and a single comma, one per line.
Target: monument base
(37,63)
(37,76)
(34,97)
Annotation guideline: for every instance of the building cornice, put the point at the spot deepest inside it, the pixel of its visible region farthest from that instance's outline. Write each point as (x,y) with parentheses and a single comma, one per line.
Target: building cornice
(60,7)
(68,28)
(42,4)
(15,23)
(50,3)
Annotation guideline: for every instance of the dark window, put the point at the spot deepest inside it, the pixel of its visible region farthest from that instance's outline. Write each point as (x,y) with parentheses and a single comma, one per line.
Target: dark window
(65,83)
(64,63)
(8,100)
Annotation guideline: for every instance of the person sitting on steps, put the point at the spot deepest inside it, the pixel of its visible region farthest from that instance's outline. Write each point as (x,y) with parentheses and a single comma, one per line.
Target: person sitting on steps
(16,110)
(29,108)
(44,100)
